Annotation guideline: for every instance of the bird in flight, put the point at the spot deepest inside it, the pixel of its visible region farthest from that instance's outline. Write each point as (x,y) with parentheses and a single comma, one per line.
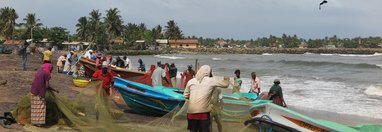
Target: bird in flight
(323,2)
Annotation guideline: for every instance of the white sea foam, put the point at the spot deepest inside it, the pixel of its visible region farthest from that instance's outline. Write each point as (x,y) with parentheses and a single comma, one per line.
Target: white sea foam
(266,54)
(308,53)
(374,90)
(217,59)
(354,55)
(169,57)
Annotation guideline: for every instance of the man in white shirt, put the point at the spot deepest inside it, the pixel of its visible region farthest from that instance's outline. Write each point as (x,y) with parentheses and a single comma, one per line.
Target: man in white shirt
(158,74)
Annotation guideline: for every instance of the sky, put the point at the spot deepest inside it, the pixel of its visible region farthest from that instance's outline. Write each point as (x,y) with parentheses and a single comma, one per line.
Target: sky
(237,19)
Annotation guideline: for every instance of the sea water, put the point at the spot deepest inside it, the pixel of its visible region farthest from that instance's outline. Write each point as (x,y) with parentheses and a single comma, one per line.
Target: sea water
(341,83)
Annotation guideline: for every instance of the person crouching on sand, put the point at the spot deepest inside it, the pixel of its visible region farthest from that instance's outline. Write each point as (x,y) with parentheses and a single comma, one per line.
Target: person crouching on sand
(276,94)
(199,93)
(61,63)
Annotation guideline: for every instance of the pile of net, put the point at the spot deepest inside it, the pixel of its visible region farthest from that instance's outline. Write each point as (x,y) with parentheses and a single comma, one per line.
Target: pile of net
(92,110)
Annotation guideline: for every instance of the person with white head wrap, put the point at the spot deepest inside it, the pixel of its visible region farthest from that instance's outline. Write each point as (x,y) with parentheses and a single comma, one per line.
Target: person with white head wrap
(199,92)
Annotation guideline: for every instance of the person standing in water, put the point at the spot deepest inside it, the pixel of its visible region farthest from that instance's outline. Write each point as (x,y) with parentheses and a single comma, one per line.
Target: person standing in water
(237,82)
(199,92)
(142,67)
(173,71)
(187,75)
(276,94)
(158,75)
(128,64)
(255,84)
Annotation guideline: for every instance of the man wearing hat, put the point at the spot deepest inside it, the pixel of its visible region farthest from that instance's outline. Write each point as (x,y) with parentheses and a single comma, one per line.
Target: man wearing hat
(104,75)
(276,94)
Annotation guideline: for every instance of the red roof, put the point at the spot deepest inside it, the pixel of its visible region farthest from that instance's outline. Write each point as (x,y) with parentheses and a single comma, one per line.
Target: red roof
(184,41)
(13,42)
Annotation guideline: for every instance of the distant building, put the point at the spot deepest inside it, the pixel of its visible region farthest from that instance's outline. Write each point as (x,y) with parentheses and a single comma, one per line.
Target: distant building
(13,42)
(303,45)
(75,45)
(184,43)
(330,46)
(220,43)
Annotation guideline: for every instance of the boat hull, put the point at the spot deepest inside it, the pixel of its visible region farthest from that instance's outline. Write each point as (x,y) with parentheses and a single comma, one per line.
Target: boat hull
(269,114)
(148,100)
(90,68)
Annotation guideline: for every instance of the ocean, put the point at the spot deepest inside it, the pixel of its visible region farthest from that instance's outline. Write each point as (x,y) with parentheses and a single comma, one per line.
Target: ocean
(340,83)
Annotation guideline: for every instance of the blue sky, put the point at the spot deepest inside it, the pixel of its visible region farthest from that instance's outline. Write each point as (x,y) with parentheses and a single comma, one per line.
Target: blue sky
(238,19)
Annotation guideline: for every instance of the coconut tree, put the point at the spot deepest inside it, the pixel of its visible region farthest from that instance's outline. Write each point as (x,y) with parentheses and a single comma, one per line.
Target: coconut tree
(83,28)
(94,24)
(113,24)
(173,31)
(8,17)
(31,23)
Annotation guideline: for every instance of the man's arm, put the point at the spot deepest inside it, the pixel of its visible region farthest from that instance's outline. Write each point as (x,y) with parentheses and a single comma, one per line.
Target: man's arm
(221,83)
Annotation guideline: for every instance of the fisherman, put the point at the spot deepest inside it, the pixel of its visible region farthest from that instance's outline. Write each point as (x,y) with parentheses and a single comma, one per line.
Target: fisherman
(68,61)
(120,63)
(39,87)
(60,63)
(128,64)
(89,54)
(173,71)
(255,84)
(187,75)
(158,75)
(199,92)
(217,107)
(47,55)
(276,94)
(73,64)
(104,75)
(142,67)
(24,55)
(237,82)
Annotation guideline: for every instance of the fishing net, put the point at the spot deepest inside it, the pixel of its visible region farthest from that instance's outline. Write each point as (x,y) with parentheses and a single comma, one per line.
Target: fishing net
(92,110)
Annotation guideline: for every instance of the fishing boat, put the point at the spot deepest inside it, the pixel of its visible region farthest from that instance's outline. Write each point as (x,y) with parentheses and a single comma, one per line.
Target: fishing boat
(276,118)
(160,100)
(148,100)
(90,68)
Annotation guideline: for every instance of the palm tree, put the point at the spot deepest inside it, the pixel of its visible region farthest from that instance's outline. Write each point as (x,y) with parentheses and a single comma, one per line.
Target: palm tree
(113,24)
(83,28)
(94,24)
(173,31)
(31,22)
(8,17)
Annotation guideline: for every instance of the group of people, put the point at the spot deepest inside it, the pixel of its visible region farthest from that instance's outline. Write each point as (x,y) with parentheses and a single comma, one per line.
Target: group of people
(206,100)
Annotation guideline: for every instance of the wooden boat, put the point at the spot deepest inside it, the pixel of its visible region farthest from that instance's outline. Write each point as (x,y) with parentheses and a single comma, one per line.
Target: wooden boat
(276,118)
(90,68)
(159,100)
(149,100)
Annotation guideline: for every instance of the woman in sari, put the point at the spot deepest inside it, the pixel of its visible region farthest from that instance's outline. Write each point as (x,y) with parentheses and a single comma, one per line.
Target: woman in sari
(39,87)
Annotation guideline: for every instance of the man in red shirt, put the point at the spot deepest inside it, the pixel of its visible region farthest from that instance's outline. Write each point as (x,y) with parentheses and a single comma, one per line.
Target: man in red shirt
(106,76)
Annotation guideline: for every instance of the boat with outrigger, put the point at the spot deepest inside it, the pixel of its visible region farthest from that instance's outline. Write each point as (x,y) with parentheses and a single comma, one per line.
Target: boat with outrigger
(160,100)
(272,117)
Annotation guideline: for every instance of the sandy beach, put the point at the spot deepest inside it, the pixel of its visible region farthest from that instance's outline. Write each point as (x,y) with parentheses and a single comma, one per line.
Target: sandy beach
(18,84)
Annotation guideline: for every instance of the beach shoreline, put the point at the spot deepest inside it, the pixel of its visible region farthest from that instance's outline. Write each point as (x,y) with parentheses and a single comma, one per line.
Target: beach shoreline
(19,85)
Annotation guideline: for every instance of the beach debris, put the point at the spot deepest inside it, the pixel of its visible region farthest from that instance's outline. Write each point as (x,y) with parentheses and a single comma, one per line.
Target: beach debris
(4,82)
(322,3)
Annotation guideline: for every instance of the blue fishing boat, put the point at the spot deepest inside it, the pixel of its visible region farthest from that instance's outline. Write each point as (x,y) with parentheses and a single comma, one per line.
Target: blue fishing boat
(148,100)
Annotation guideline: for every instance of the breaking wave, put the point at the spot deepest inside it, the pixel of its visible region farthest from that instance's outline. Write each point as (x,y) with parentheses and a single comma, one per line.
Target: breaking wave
(318,63)
(374,90)
(169,57)
(266,54)
(354,55)
(217,59)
